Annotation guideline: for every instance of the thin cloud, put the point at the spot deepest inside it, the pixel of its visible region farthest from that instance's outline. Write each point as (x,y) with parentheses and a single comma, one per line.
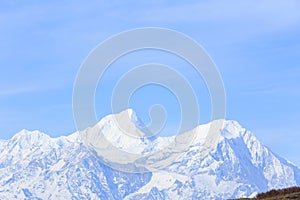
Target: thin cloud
(267,14)
(17,91)
(40,86)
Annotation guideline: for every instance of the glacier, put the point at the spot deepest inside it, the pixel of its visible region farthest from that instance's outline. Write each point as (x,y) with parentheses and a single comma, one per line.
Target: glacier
(35,166)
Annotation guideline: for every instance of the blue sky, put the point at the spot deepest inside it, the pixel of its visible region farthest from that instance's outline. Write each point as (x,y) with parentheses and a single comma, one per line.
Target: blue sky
(255,44)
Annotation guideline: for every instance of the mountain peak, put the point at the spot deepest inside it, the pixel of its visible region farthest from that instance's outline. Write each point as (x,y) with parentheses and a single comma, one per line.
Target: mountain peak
(131,114)
(30,134)
(127,116)
(238,166)
(120,130)
(232,129)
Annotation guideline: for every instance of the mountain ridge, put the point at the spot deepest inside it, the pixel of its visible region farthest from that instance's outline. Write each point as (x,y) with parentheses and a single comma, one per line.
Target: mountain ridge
(36,166)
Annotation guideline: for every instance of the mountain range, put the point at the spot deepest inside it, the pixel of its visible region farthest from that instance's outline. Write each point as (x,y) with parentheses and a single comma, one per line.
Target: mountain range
(35,166)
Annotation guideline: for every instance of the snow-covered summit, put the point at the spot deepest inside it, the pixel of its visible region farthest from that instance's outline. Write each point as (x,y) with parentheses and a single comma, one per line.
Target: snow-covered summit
(132,115)
(30,135)
(232,129)
(119,130)
(36,166)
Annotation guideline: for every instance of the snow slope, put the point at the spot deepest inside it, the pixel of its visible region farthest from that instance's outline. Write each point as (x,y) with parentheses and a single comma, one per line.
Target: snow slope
(35,166)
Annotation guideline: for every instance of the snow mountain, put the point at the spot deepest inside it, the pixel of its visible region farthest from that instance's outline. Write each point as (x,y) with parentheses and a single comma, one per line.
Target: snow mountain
(36,166)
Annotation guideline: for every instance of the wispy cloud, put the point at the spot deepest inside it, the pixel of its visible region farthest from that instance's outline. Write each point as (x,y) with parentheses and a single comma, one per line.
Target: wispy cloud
(16,91)
(280,91)
(39,84)
(247,15)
